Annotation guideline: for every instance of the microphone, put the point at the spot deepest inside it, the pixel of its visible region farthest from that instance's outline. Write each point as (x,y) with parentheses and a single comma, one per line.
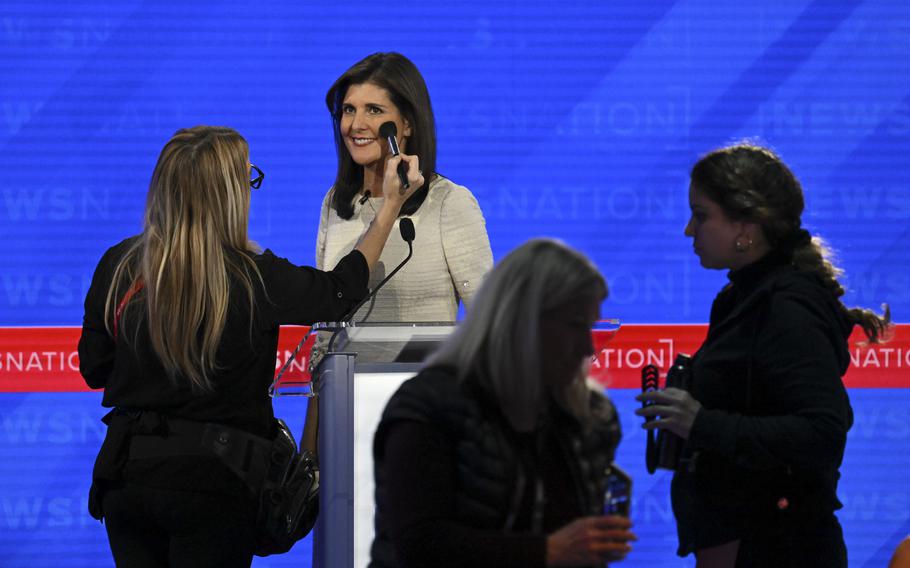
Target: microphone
(406,227)
(650,382)
(366,195)
(389,131)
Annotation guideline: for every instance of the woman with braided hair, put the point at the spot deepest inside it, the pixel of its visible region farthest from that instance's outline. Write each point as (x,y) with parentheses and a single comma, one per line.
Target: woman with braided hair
(766,421)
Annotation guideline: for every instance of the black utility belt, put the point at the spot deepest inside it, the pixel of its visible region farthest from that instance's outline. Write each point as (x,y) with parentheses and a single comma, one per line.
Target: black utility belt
(245,454)
(283,479)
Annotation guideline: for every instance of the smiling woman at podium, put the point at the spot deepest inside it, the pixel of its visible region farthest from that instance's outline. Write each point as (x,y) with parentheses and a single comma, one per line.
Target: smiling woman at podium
(495,454)
(379,105)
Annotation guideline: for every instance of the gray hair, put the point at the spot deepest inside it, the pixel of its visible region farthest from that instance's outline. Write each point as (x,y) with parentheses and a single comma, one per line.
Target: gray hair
(498,343)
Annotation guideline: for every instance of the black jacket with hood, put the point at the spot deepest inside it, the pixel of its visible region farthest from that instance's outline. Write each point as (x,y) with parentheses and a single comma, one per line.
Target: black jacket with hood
(766,446)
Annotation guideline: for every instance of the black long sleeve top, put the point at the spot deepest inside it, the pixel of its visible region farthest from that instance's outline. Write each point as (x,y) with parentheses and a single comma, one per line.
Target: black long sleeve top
(457,486)
(132,376)
(775,413)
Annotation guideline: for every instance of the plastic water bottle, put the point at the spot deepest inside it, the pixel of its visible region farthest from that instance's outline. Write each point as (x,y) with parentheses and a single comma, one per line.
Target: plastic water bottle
(618,493)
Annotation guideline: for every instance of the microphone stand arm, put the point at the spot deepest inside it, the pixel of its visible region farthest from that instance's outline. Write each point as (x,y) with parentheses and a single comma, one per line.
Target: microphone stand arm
(349,317)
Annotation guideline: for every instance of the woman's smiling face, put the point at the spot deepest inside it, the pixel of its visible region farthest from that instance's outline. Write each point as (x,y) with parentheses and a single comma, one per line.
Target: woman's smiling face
(365,107)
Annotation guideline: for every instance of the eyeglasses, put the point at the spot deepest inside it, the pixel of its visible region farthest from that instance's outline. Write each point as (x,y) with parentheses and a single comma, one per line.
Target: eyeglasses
(257,179)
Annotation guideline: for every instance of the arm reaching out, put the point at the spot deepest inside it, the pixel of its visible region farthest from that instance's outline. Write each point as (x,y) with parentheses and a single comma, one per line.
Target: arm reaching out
(374,239)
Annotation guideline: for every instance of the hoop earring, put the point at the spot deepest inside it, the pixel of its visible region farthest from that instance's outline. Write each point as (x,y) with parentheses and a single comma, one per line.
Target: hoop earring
(740,247)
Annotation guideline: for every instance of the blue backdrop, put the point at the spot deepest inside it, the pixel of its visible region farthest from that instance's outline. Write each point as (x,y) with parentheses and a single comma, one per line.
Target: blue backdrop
(578,120)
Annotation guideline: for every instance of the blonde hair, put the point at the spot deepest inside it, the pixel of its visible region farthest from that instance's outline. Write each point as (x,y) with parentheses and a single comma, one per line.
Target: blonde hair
(194,242)
(498,343)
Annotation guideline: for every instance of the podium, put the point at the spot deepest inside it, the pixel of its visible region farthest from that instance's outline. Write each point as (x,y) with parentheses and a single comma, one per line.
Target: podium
(363,366)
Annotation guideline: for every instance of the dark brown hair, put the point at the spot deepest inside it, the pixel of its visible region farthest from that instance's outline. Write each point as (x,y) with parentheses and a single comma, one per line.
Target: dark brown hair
(751,183)
(399,76)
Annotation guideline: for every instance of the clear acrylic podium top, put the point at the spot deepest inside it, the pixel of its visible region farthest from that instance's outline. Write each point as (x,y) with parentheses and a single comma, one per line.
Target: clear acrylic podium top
(379,347)
(377,343)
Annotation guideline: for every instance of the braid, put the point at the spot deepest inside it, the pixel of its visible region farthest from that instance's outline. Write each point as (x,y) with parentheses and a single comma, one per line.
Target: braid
(814,256)
(752,183)
(877,327)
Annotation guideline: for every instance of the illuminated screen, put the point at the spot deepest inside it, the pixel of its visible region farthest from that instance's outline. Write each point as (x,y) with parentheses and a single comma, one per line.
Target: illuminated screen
(577,119)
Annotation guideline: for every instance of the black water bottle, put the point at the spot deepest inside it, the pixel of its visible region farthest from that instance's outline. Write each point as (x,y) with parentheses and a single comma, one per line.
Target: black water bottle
(669,445)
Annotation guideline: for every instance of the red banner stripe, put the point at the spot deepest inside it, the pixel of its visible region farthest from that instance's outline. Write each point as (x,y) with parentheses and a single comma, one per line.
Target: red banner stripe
(44,359)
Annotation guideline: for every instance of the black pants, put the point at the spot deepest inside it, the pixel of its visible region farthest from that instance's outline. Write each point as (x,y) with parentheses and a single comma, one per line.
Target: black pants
(798,543)
(152,528)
